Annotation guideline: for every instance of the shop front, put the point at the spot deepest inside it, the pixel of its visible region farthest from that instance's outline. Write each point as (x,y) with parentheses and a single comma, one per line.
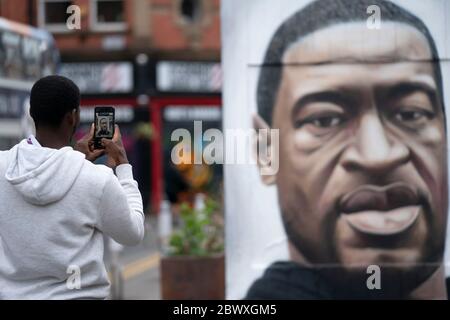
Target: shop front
(186,93)
(149,107)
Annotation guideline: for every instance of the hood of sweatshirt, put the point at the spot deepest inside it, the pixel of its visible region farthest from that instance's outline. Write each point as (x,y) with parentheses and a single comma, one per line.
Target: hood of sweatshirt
(42,175)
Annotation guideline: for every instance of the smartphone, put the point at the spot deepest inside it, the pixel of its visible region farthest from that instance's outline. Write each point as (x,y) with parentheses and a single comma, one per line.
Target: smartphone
(104,123)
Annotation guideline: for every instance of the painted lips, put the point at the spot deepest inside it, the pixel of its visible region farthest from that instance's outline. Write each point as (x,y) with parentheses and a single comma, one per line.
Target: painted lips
(385,210)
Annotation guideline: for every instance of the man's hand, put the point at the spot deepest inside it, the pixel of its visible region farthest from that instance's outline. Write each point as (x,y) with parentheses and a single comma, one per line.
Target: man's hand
(86,145)
(115,150)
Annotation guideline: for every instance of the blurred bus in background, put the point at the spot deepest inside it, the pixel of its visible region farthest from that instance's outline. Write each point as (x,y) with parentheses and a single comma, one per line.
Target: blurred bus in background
(26,54)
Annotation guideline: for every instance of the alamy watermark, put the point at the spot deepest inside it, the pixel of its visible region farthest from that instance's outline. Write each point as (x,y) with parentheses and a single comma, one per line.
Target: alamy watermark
(74,280)
(73,22)
(234,146)
(374,20)
(374,280)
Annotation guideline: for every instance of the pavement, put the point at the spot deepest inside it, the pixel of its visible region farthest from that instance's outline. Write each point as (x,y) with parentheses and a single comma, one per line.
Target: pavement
(139,277)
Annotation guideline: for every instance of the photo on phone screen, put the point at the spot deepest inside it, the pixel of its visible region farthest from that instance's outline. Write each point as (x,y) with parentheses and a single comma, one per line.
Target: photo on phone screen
(104,124)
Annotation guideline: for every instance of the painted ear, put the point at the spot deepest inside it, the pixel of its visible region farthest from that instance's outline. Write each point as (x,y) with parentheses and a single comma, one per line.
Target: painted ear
(265,150)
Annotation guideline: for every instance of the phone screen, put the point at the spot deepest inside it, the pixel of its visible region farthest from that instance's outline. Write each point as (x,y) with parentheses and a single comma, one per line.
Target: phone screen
(104,124)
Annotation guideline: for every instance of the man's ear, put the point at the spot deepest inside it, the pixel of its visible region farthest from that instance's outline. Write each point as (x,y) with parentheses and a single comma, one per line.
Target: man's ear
(72,119)
(77,117)
(263,150)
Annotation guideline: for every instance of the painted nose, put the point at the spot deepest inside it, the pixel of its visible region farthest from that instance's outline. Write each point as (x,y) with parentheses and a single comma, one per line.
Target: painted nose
(372,150)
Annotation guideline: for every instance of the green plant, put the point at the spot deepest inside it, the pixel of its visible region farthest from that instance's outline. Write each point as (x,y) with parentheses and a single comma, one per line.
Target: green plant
(201,231)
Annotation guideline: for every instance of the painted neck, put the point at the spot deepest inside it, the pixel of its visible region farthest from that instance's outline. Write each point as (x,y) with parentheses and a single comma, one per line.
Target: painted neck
(434,288)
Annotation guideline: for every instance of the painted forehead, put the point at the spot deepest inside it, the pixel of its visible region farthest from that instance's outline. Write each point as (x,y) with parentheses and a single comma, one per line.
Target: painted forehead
(355,43)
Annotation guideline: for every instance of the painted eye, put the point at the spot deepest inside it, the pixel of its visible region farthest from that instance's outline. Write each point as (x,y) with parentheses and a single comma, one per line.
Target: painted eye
(412,116)
(321,122)
(326,122)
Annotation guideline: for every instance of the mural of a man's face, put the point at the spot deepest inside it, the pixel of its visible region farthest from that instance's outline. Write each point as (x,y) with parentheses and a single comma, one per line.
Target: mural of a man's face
(363,168)
(104,125)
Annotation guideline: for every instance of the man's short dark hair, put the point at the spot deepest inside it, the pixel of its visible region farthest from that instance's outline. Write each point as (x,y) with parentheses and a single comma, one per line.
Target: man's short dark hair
(52,97)
(318,15)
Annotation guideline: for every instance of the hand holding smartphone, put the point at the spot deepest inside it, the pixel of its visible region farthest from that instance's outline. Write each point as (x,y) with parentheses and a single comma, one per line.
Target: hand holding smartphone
(107,136)
(86,146)
(114,149)
(104,125)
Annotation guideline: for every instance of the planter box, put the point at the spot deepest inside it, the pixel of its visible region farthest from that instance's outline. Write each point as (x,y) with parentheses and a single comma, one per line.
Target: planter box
(193,278)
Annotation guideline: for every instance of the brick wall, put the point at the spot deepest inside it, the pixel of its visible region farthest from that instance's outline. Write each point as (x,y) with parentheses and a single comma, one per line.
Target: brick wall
(161,26)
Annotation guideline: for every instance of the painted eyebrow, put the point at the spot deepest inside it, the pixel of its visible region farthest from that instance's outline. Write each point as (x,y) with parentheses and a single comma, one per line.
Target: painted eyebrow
(405,88)
(321,96)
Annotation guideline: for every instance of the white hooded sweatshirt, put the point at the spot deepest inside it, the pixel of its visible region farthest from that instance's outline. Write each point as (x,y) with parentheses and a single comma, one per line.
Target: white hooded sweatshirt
(54,208)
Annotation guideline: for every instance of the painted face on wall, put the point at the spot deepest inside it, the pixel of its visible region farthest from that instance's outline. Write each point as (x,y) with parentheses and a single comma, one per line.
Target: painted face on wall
(363,168)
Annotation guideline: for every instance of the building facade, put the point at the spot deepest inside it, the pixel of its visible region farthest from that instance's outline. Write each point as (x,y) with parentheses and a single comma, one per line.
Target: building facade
(154,60)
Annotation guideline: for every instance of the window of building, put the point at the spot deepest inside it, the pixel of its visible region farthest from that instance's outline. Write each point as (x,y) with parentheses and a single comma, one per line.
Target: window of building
(190,10)
(108,15)
(52,15)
